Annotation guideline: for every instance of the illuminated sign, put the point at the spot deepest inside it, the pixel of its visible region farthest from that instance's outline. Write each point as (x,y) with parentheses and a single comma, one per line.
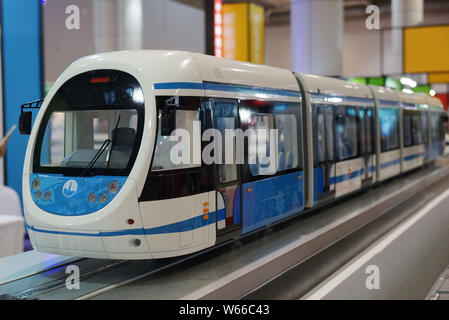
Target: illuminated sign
(218,28)
(243,32)
(256,36)
(442,77)
(235,31)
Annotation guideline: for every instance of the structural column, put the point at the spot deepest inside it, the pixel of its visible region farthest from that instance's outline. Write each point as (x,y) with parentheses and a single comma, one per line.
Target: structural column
(105,25)
(404,13)
(317,36)
(118,25)
(130,24)
(22,76)
(209,15)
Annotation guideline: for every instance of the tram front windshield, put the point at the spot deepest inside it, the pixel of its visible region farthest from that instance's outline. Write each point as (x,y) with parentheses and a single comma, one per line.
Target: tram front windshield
(94,122)
(74,138)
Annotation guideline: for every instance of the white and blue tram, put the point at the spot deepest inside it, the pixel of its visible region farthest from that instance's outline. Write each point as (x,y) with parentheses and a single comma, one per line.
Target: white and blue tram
(98,180)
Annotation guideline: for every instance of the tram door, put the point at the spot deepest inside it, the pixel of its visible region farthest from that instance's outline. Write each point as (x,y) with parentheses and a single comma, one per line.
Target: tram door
(325,150)
(227,176)
(366,143)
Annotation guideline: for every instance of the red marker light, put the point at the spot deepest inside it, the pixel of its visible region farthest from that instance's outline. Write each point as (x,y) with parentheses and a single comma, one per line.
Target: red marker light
(260,103)
(100,80)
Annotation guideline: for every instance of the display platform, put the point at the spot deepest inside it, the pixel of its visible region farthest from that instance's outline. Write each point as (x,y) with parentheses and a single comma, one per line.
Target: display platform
(249,267)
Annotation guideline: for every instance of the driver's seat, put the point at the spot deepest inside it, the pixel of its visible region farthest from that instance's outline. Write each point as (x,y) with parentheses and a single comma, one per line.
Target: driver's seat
(122,146)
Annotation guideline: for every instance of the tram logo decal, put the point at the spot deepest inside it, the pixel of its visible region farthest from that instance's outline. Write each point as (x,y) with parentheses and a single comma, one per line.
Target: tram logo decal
(70,188)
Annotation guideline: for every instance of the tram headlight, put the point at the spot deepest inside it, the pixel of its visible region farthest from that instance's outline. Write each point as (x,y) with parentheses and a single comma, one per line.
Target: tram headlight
(103,198)
(113,187)
(39,195)
(92,198)
(47,195)
(36,184)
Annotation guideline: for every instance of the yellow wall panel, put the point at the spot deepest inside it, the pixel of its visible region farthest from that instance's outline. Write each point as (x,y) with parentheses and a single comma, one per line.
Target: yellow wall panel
(235,31)
(257,33)
(438,77)
(426,49)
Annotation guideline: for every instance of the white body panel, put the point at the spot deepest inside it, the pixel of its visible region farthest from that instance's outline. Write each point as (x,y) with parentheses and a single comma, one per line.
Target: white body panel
(434,103)
(243,73)
(170,211)
(381,93)
(413,157)
(335,87)
(350,174)
(390,164)
(416,99)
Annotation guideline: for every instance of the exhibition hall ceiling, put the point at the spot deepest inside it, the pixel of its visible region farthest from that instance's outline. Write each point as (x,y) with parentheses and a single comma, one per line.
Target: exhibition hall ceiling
(282,6)
(285,4)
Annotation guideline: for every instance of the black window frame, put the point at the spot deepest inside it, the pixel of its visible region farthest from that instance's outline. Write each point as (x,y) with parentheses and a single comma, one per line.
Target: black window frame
(327,158)
(372,131)
(440,136)
(181,182)
(338,113)
(179,108)
(382,149)
(424,126)
(61,103)
(416,131)
(254,106)
(407,130)
(213,118)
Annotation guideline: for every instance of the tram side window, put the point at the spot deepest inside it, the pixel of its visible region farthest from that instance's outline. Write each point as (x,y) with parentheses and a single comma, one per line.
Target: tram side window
(320,134)
(286,125)
(323,133)
(424,126)
(225,114)
(407,130)
(389,135)
(369,129)
(363,135)
(261,149)
(416,129)
(366,130)
(163,157)
(347,134)
(442,120)
(329,115)
(273,133)
(437,127)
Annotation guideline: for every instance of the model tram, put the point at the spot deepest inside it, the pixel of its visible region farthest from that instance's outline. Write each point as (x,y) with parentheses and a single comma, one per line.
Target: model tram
(98,181)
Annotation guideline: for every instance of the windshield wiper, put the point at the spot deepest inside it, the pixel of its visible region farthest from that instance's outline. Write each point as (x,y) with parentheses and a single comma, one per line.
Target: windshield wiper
(114,138)
(97,156)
